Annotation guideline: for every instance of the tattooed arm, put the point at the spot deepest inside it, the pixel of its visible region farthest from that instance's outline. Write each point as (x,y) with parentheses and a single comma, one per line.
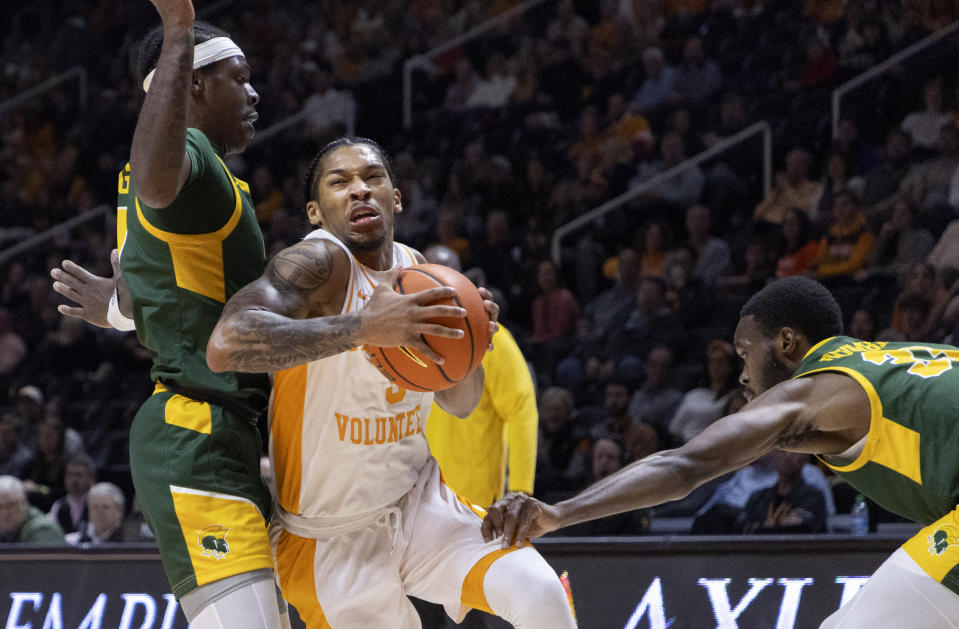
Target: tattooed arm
(158,157)
(291,315)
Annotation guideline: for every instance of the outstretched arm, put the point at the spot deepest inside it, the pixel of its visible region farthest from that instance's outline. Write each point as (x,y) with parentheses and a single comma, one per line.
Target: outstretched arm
(289,316)
(788,416)
(158,157)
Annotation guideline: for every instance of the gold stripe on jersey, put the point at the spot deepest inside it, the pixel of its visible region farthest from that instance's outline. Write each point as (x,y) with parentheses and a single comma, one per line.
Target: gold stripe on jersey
(198,258)
(286,425)
(888,444)
(224,535)
(473,594)
(294,564)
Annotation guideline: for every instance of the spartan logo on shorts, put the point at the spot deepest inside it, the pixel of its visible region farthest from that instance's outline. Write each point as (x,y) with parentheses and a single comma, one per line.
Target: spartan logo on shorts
(941,539)
(212,540)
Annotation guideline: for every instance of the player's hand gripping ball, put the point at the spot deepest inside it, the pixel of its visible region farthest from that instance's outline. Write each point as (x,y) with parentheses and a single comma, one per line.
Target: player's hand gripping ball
(406,367)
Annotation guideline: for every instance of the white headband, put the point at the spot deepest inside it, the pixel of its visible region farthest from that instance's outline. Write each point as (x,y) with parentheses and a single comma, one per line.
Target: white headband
(204,54)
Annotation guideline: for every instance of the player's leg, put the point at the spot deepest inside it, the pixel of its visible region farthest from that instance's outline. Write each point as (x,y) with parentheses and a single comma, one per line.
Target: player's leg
(196,473)
(448,562)
(899,595)
(351,580)
(250,599)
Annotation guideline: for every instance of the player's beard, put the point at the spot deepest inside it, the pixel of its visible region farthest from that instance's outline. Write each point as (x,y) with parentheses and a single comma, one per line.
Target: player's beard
(774,370)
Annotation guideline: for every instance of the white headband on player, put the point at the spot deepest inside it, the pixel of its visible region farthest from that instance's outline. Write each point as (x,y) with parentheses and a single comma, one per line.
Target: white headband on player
(204,54)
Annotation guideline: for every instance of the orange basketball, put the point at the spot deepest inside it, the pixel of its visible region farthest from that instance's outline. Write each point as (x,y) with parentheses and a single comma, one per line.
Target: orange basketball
(406,367)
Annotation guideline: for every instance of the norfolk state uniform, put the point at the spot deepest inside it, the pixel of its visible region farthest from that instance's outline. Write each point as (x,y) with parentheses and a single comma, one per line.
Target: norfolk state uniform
(910,461)
(194,445)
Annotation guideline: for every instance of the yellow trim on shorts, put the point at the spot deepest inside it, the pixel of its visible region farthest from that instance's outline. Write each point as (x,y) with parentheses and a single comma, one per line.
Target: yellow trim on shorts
(888,443)
(224,535)
(936,554)
(473,594)
(186,413)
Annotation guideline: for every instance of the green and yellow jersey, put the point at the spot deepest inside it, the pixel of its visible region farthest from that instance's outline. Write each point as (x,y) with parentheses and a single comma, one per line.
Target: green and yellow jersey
(181,264)
(910,462)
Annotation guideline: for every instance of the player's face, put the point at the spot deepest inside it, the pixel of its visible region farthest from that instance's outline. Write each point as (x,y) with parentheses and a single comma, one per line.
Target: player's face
(230,105)
(763,367)
(355,198)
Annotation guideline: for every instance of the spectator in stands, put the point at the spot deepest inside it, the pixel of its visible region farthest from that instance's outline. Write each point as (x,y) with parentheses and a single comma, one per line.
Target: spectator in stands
(702,406)
(494,252)
(496,87)
(928,184)
(862,325)
(729,177)
(697,79)
(789,506)
(555,316)
(106,505)
(861,156)
(844,249)
(712,253)
(13,349)
(792,188)
(757,269)
(628,126)
(657,88)
(332,111)
(819,70)
(465,80)
(618,423)
(923,126)
(14,456)
(607,455)
(900,244)
(588,145)
(836,177)
(653,241)
(71,511)
(881,184)
(569,26)
(656,401)
(722,512)
(680,190)
(563,449)
(21,523)
(798,247)
(919,308)
(863,45)
(650,323)
(605,311)
(688,297)
(944,256)
(44,473)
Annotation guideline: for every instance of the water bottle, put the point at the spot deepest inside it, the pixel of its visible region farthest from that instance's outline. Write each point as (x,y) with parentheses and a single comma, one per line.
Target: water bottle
(860,516)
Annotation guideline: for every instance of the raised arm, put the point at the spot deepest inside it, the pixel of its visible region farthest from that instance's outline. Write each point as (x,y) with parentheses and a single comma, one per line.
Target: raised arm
(791,416)
(158,157)
(290,315)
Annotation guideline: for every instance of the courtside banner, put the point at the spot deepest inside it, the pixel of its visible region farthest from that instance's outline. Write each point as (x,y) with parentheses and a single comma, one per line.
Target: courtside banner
(755,582)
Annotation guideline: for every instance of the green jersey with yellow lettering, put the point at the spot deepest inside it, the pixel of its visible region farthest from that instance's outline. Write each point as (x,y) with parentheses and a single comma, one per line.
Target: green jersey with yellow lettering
(910,462)
(183,262)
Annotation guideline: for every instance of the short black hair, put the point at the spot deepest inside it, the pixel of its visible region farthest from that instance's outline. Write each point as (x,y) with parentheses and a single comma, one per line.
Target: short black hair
(311,174)
(149,52)
(799,303)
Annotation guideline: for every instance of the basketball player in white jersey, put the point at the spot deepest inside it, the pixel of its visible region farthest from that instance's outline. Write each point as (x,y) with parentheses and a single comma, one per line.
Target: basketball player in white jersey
(363,516)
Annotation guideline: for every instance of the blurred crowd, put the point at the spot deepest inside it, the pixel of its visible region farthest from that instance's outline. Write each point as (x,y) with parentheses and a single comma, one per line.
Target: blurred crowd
(515,133)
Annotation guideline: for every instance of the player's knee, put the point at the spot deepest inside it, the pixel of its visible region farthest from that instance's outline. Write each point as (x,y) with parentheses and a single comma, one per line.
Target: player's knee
(525,591)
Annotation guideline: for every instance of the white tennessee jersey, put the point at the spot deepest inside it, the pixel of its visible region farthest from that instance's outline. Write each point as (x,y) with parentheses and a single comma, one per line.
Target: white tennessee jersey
(343,439)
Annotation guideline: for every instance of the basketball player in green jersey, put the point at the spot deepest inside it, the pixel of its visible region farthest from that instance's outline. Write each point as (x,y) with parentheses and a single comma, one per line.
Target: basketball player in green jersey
(188,240)
(885,416)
